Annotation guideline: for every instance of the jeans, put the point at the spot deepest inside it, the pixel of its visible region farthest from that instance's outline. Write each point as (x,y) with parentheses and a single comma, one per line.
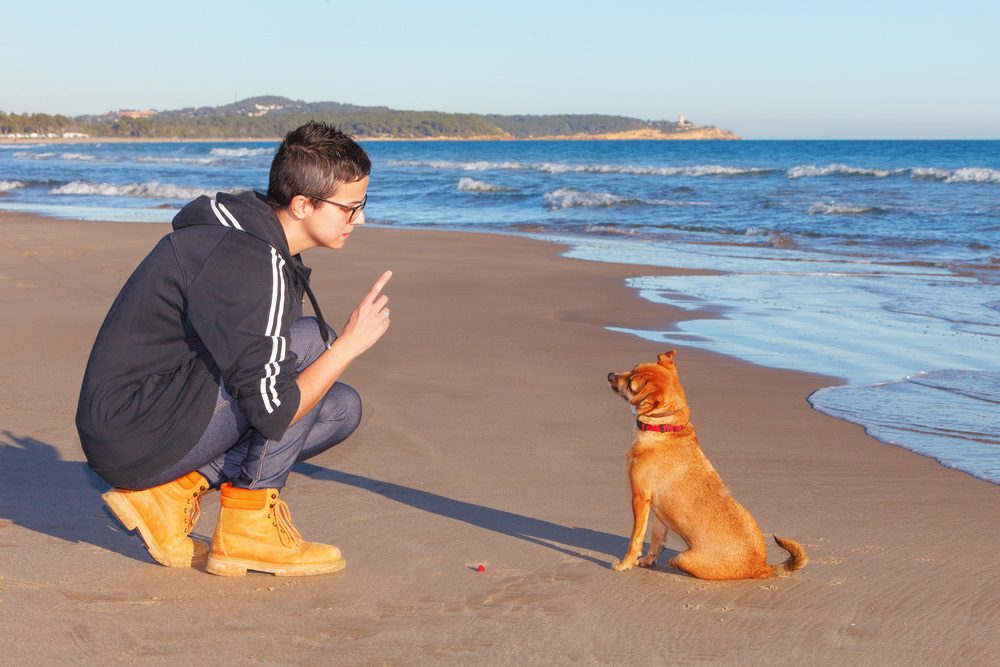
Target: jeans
(230,451)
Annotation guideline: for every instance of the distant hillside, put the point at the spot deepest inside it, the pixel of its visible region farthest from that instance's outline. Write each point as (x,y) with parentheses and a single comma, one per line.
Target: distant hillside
(271,116)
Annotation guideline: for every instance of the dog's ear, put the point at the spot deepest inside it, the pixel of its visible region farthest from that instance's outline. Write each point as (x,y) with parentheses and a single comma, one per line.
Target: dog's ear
(667,358)
(644,400)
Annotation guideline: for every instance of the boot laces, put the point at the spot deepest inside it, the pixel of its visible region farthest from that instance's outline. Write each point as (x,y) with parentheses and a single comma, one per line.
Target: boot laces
(287,532)
(192,511)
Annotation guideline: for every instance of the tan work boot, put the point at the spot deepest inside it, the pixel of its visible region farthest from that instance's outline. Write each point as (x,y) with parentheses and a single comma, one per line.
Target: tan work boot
(165,515)
(255,532)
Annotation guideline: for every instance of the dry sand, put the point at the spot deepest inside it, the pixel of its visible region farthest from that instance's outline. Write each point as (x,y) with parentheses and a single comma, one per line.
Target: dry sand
(490,438)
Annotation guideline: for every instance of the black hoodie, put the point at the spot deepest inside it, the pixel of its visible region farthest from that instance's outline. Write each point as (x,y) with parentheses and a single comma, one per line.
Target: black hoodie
(213,301)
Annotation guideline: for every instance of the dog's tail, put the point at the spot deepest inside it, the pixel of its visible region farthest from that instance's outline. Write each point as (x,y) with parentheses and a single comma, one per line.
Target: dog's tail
(797,558)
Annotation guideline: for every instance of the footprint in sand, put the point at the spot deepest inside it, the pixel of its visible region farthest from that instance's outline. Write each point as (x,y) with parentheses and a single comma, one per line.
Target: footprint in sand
(692,607)
(769,587)
(831,560)
(869,549)
(837,582)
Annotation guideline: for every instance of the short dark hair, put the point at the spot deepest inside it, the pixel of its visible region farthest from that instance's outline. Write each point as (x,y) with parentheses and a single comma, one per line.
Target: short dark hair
(313,160)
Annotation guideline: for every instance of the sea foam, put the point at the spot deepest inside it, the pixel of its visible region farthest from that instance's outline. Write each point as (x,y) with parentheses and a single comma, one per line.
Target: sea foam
(28,155)
(962,175)
(842,209)
(242,152)
(7,186)
(561,168)
(811,170)
(177,160)
(569,198)
(472,185)
(572,198)
(151,189)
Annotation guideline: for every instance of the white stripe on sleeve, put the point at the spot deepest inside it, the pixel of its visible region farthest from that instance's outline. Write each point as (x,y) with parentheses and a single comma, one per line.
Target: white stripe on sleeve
(268,383)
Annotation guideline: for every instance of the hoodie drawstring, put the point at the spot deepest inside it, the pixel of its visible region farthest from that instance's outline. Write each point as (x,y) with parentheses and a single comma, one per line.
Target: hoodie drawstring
(323,329)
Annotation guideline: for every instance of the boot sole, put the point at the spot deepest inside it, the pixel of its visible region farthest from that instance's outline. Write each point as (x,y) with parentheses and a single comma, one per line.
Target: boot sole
(131,520)
(226,566)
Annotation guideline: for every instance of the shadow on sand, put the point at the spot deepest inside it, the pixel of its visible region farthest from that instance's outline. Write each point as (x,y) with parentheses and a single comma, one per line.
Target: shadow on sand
(62,499)
(43,493)
(573,541)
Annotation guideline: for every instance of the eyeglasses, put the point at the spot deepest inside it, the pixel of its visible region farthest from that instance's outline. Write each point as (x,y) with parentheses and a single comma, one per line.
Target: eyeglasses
(353,210)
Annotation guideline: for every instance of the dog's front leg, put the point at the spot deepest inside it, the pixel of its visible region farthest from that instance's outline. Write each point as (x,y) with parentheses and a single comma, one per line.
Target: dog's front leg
(655,543)
(640,515)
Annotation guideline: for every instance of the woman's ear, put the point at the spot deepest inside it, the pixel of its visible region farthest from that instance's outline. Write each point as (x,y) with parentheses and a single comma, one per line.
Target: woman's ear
(300,206)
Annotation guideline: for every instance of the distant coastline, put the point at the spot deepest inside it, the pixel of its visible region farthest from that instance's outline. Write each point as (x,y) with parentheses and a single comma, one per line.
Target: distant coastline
(268,118)
(706,135)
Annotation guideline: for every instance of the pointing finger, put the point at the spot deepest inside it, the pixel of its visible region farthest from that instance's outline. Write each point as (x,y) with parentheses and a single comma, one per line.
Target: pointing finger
(379,284)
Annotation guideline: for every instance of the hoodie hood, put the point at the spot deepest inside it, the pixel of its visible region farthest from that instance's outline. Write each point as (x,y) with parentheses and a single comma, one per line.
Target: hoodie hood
(250,213)
(247,212)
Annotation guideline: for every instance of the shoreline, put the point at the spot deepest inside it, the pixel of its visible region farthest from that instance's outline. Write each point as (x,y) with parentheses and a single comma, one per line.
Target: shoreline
(491,438)
(833,381)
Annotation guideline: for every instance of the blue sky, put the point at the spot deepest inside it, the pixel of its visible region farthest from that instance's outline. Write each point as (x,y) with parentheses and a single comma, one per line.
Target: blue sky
(765,70)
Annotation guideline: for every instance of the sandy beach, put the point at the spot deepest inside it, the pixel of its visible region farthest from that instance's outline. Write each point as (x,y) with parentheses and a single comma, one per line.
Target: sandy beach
(490,438)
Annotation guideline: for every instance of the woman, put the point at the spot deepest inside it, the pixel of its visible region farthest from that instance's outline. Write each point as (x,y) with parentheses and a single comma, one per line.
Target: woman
(205,374)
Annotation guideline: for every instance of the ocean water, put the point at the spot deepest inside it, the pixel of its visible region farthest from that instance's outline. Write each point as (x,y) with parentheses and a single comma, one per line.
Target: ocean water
(876,263)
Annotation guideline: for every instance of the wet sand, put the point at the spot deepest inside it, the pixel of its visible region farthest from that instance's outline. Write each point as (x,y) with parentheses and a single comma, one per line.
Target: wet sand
(490,437)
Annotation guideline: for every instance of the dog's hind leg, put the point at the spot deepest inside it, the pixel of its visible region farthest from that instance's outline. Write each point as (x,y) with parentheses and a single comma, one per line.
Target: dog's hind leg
(640,516)
(655,544)
(707,566)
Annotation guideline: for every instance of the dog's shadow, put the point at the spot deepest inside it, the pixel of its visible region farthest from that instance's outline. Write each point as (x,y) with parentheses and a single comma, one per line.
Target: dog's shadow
(62,499)
(570,540)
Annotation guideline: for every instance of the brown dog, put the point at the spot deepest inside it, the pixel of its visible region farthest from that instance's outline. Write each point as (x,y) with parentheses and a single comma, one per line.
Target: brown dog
(669,473)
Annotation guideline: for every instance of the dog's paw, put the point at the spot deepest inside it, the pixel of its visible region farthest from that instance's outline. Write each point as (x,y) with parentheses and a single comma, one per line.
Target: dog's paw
(647,561)
(621,566)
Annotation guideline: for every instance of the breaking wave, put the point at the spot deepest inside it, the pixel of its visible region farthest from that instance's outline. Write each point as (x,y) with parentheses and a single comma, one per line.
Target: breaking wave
(771,238)
(572,198)
(559,168)
(609,230)
(7,186)
(811,170)
(841,209)
(605,229)
(152,189)
(28,155)
(472,185)
(963,175)
(177,160)
(242,152)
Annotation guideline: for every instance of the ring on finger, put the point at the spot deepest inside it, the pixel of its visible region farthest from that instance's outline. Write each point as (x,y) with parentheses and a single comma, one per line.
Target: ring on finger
(385,313)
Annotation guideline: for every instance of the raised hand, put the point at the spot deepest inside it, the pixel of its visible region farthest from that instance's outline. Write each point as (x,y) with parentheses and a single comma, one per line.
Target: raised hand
(370,320)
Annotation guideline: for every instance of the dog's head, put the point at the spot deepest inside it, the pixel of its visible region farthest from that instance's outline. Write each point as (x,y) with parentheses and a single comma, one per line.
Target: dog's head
(654,391)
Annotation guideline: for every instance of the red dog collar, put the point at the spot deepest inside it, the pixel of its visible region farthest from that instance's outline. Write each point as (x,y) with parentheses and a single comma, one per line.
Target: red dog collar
(662,428)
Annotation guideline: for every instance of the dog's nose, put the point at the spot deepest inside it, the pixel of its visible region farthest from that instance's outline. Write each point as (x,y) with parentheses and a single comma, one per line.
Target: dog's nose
(611,377)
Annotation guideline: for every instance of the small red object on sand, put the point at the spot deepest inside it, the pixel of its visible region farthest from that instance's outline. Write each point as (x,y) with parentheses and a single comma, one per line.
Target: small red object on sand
(481,568)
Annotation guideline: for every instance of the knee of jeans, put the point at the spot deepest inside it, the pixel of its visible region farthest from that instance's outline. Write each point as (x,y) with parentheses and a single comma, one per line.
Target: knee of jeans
(306,340)
(342,403)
